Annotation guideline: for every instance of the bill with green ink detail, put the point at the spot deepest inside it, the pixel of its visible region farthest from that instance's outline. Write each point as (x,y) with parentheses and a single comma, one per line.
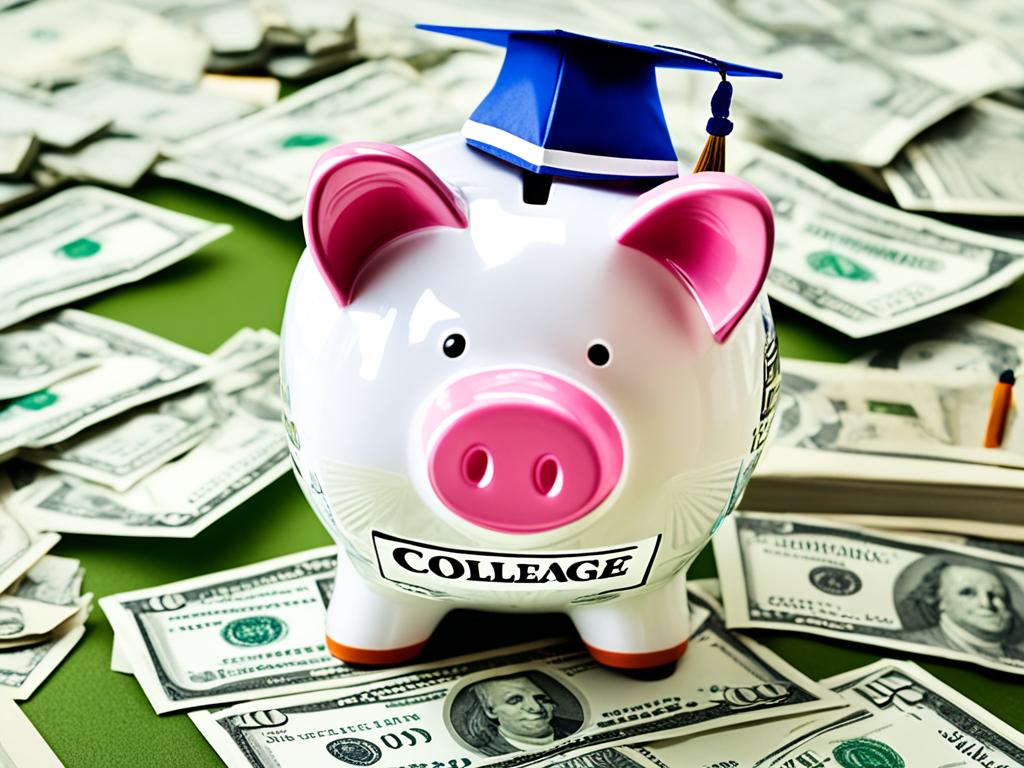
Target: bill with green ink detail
(264,160)
(897,716)
(131,367)
(238,452)
(862,267)
(85,240)
(515,707)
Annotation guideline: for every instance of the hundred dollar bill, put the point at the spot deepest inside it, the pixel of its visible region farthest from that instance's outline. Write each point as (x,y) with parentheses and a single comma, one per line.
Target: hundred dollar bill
(899,69)
(971,162)
(23,670)
(85,240)
(824,578)
(897,715)
(498,710)
(242,454)
(134,367)
(876,413)
(265,160)
(862,267)
(21,746)
(953,344)
(119,452)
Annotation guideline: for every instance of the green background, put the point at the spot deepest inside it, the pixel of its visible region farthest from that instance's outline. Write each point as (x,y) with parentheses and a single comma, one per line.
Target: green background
(94,717)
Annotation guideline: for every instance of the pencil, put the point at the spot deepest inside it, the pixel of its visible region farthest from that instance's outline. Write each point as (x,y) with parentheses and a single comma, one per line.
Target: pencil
(1002,397)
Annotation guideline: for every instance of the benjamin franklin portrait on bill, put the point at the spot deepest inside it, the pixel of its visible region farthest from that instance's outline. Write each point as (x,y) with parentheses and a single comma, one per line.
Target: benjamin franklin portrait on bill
(514,713)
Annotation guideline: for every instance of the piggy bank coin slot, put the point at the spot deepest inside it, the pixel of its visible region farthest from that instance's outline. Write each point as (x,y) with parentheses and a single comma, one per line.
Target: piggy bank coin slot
(536,188)
(547,476)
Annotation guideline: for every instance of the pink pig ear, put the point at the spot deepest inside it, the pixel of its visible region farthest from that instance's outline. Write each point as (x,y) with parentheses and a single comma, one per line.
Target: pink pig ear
(715,233)
(363,195)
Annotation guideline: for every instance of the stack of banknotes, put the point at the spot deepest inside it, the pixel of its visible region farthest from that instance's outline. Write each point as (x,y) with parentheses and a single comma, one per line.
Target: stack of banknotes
(895,437)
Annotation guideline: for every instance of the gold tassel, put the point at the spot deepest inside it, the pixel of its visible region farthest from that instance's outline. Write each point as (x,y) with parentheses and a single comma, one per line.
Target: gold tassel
(712,157)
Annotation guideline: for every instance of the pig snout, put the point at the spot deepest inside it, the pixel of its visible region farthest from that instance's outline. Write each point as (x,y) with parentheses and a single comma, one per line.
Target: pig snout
(520,451)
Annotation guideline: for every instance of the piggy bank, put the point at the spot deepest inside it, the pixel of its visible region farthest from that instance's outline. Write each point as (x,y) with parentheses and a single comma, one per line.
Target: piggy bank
(508,398)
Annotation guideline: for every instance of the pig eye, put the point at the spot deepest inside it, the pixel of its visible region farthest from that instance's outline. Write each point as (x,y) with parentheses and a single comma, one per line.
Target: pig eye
(598,354)
(454,345)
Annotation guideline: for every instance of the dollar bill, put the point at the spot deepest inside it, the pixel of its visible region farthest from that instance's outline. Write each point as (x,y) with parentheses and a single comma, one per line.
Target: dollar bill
(53,579)
(24,669)
(162,110)
(30,622)
(862,267)
(117,161)
(29,110)
(971,162)
(245,452)
(897,714)
(119,452)
(21,545)
(21,746)
(825,578)
(900,70)
(241,634)
(503,710)
(85,240)
(43,42)
(953,344)
(134,368)
(265,160)
(875,413)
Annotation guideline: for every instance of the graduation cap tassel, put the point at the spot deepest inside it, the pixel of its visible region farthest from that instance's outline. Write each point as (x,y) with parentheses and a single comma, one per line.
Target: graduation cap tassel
(712,158)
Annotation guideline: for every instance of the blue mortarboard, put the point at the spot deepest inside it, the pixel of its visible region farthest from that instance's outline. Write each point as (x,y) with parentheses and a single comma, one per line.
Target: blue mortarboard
(573,105)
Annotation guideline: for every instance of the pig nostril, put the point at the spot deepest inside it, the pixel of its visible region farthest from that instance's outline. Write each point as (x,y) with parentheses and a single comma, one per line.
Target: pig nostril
(477,467)
(547,476)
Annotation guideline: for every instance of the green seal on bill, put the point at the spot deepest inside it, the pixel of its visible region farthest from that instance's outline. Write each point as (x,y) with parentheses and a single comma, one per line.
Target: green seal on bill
(254,630)
(867,753)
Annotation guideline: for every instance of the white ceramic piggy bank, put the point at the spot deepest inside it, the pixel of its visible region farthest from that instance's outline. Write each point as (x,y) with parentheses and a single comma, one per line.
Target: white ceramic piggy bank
(523,407)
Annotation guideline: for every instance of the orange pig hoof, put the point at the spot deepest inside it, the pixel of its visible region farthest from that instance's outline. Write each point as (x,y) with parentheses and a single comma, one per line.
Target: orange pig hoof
(649,660)
(374,658)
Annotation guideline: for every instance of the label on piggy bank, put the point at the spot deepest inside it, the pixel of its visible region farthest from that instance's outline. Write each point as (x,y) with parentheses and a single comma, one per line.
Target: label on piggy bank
(434,567)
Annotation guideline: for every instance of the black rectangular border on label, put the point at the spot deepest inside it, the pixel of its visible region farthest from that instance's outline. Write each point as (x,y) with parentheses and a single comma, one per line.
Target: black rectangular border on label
(374,535)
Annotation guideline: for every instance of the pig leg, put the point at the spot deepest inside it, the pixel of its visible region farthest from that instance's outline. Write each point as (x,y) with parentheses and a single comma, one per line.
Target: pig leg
(637,632)
(374,625)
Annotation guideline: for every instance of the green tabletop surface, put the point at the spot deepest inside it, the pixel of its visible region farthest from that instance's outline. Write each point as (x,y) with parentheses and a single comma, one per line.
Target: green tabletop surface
(92,716)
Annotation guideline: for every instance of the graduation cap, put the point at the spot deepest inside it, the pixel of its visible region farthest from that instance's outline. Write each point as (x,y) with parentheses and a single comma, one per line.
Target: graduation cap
(573,105)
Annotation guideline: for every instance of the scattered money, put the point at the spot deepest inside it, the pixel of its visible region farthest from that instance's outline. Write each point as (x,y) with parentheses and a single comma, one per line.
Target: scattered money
(117,161)
(954,344)
(163,110)
(971,162)
(885,413)
(239,456)
(265,159)
(236,635)
(862,267)
(897,714)
(21,746)
(86,240)
(24,669)
(446,712)
(119,452)
(824,578)
(134,367)
(33,112)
